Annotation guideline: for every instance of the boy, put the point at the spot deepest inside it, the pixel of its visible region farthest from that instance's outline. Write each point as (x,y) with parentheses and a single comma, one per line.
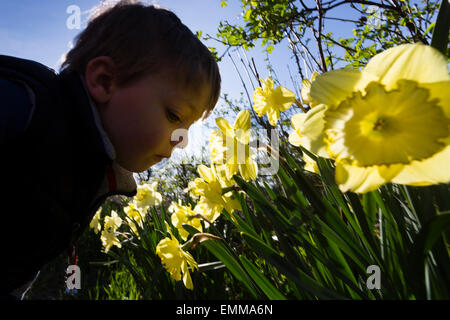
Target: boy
(69,141)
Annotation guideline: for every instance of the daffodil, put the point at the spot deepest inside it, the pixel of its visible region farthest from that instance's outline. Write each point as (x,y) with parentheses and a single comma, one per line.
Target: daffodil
(108,235)
(306,88)
(209,188)
(95,222)
(387,123)
(221,174)
(147,196)
(230,147)
(113,222)
(109,239)
(271,101)
(134,216)
(183,214)
(175,260)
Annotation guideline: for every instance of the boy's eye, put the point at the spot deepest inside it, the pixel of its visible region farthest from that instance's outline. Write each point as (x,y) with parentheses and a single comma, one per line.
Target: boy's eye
(172,116)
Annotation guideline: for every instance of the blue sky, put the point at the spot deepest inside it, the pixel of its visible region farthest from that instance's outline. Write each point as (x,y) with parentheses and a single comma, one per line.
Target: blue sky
(37,30)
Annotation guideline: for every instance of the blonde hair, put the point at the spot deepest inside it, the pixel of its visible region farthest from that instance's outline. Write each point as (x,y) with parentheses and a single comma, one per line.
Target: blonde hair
(144,39)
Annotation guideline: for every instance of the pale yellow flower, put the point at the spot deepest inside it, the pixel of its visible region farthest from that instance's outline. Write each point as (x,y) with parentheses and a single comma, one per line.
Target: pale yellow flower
(109,239)
(95,222)
(184,214)
(175,260)
(388,123)
(221,174)
(209,188)
(230,147)
(134,216)
(271,101)
(112,222)
(306,88)
(147,196)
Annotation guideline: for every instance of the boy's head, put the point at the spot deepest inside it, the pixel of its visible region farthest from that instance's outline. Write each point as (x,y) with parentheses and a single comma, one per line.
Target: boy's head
(150,77)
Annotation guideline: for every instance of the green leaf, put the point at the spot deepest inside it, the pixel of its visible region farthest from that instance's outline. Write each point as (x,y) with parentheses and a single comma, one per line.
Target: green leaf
(430,233)
(440,34)
(264,284)
(218,249)
(290,271)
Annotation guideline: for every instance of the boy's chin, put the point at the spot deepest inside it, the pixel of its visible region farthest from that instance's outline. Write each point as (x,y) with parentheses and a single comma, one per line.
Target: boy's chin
(139,166)
(134,166)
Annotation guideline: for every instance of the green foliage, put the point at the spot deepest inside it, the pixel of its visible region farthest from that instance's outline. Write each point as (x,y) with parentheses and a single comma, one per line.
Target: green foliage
(376,27)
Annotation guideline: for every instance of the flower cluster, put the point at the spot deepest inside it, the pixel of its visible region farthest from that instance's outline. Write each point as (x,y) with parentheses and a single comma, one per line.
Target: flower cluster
(135,213)
(387,123)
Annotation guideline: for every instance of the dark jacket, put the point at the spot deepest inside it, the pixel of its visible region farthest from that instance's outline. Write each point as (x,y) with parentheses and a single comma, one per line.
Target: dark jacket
(57,166)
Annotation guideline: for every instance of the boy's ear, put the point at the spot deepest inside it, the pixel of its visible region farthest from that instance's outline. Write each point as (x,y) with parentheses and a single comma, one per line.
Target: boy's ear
(99,75)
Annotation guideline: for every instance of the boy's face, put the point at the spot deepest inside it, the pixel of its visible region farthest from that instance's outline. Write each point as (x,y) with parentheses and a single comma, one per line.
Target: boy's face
(141,119)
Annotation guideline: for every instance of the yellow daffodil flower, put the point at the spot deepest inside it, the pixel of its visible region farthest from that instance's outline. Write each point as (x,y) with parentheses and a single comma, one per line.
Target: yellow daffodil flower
(147,196)
(209,189)
(387,123)
(109,239)
(175,260)
(230,147)
(221,174)
(134,216)
(306,88)
(95,222)
(271,101)
(184,214)
(108,235)
(112,222)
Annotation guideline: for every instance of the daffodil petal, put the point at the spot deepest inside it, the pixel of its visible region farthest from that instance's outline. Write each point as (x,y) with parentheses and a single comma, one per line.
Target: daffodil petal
(273,116)
(259,102)
(242,120)
(295,138)
(390,172)
(249,171)
(313,131)
(186,276)
(231,169)
(284,98)
(297,120)
(332,87)
(223,125)
(418,62)
(426,172)
(205,173)
(358,179)
(267,84)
